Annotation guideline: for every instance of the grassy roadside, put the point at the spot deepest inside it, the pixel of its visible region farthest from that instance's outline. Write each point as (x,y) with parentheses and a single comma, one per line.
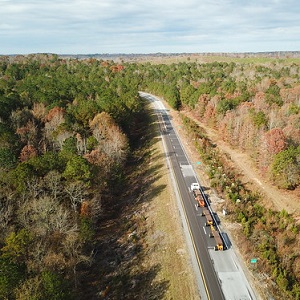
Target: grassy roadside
(164,237)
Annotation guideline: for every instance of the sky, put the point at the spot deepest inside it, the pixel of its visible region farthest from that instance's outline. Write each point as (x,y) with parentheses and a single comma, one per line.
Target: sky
(148,26)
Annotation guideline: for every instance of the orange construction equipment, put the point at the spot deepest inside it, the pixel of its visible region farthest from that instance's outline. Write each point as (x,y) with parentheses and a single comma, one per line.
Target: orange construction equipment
(199,198)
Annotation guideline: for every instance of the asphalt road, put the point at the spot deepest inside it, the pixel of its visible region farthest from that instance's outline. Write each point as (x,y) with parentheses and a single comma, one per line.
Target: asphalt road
(221,276)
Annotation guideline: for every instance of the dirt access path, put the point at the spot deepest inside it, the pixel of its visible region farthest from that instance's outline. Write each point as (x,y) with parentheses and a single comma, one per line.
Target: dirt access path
(273,197)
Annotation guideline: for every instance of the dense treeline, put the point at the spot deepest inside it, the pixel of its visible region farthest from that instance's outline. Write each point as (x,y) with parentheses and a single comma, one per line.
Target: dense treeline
(254,107)
(66,130)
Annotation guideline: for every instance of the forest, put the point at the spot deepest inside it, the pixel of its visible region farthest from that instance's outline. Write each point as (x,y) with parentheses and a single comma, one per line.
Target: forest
(69,129)
(254,107)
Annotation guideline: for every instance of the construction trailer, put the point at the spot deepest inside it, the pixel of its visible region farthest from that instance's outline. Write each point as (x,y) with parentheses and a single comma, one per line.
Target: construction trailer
(219,245)
(199,198)
(209,219)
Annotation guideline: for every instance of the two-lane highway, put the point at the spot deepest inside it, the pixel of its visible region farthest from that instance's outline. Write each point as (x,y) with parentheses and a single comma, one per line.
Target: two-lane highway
(218,281)
(184,175)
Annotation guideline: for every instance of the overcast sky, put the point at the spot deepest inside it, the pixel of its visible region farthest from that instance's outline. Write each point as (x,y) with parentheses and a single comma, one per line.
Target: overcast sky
(148,26)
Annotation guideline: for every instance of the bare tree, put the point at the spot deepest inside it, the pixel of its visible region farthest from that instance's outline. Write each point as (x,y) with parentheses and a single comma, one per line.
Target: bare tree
(53,181)
(45,215)
(73,251)
(77,193)
(34,187)
(6,213)
(110,138)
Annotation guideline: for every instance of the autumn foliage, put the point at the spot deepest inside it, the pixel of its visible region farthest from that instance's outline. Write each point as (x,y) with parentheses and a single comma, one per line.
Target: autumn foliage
(67,128)
(61,130)
(27,152)
(253,107)
(275,140)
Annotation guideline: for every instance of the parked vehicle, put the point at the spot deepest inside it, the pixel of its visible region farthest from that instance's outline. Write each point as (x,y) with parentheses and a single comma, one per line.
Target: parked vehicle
(218,239)
(195,186)
(209,219)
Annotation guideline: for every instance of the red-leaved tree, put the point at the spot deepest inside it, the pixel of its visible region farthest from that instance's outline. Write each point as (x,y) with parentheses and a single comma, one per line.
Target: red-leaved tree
(272,143)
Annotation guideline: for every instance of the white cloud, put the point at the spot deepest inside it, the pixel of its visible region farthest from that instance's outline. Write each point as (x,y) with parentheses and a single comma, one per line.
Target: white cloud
(87,26)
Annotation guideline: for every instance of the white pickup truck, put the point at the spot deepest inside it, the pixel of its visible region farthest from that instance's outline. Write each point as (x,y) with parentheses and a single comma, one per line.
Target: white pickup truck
(195,186)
